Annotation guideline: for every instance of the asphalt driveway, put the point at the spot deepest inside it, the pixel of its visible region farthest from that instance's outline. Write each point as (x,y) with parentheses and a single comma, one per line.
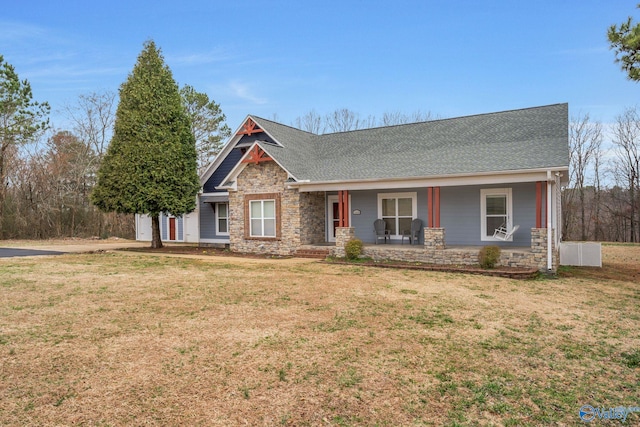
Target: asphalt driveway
(16,252)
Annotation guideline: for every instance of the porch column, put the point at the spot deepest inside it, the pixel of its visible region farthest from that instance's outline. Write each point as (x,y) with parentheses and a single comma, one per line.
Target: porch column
(434,238)
(343,235)
(541,220)
(343,208)
(539,247)
(433,207)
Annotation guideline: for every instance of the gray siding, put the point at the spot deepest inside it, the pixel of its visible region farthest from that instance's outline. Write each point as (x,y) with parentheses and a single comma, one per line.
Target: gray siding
(223,170)
(367,203)
(163,227)
(208,222)
(459,212)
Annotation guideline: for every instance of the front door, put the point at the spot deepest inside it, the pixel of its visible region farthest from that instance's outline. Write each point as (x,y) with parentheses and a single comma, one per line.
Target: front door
(172,228)
(333,218)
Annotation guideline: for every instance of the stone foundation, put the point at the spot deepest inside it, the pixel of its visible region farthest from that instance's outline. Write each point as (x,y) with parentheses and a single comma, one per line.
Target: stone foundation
(434,251)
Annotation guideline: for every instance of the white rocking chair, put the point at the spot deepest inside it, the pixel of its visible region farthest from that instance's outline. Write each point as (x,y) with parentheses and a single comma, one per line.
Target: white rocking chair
(502,233)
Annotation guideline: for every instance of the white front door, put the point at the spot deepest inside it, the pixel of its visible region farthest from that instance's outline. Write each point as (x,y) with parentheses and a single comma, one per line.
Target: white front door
(333,217)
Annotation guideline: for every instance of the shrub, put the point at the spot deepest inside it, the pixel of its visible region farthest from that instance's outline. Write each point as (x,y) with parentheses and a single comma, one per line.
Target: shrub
(353,249)
(489,256)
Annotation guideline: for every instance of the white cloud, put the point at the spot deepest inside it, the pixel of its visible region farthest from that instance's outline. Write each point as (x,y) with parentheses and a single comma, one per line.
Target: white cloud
(16,31)
(244,91)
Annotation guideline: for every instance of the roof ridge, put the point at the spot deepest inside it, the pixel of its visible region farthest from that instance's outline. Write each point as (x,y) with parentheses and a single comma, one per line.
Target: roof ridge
(282,124)
(446,119)
(412,123)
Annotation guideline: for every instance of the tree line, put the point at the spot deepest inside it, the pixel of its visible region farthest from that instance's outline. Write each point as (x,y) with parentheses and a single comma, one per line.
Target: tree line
(47,174)
(602,200)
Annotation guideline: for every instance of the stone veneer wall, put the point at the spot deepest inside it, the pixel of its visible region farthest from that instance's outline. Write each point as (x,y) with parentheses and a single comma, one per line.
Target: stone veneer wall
(434,251)
(343,235)
(312,218)
(434,238)
(539,249)
(301,214)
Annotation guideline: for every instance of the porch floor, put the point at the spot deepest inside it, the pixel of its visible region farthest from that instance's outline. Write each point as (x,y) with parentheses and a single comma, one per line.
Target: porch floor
(408,247)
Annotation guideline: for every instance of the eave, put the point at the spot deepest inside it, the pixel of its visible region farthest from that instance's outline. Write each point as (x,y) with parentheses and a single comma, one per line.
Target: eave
(484,178)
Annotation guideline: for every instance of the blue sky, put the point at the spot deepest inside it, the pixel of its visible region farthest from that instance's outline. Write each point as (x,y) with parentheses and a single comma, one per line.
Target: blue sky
(285,58)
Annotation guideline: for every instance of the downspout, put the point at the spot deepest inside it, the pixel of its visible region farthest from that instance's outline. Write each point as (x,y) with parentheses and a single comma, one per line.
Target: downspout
(548,223)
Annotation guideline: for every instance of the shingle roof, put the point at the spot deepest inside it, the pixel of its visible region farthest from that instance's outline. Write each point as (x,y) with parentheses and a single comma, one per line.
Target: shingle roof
(531,138)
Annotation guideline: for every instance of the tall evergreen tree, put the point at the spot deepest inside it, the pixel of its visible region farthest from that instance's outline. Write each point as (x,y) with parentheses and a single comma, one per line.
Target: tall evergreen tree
(150,165)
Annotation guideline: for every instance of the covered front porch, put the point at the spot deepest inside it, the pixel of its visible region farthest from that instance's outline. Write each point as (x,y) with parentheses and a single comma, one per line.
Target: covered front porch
(453,222)
(434,250)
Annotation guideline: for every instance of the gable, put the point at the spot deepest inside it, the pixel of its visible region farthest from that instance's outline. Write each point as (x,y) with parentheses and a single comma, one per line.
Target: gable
(244,137)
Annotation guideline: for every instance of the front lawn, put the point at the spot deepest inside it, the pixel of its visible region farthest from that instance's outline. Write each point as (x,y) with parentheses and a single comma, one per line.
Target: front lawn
(135,339)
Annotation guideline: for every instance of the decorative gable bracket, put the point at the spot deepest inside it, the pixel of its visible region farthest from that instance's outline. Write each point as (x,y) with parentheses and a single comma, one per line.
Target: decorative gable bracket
(257,155)
(250,127)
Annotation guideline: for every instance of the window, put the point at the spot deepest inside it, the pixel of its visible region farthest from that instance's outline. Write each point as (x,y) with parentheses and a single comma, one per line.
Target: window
(222,219)
(397,210)
(495,206)
(262,216)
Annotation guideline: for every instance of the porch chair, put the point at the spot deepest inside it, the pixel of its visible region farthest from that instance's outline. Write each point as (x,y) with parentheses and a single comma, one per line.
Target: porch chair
(414,233)
(381,231)
(502,233)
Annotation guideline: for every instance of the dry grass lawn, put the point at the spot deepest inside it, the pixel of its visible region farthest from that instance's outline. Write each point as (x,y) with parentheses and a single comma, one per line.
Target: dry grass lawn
(132,339)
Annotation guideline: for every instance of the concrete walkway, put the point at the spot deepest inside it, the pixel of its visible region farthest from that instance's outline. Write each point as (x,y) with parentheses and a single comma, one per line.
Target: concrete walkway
(16,252)
(58,247)
(72,246)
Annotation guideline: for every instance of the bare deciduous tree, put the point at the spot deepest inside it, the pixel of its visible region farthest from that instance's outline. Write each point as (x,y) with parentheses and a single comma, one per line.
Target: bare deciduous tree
(310,122)
(343,120)
(398,118)
(92,118)
(626,164)
(585,139)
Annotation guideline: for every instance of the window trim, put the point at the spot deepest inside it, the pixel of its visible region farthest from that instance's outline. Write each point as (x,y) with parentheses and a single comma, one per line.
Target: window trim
(248,198)
(218,218)
(406,195)
(483,211)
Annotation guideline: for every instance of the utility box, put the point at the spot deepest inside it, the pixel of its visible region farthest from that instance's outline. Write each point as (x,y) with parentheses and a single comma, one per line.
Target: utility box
(584,254)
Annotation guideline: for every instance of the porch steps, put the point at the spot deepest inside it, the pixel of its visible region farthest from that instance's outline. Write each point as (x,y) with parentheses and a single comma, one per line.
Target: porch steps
(316,253)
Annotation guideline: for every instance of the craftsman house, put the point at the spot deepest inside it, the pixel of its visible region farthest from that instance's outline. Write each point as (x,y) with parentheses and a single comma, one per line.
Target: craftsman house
(470,181)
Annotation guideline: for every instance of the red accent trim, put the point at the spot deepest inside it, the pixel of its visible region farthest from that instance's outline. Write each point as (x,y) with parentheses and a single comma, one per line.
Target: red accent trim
(430,207)
(340,209)
(250,127)
(544,206)
(436,196)
(257,155)
(343,208)
(538,204)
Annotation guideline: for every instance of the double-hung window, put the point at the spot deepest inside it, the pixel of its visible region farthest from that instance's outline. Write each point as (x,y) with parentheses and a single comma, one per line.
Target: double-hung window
(496,211)
(222,219)
(263,218)
(397,210)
